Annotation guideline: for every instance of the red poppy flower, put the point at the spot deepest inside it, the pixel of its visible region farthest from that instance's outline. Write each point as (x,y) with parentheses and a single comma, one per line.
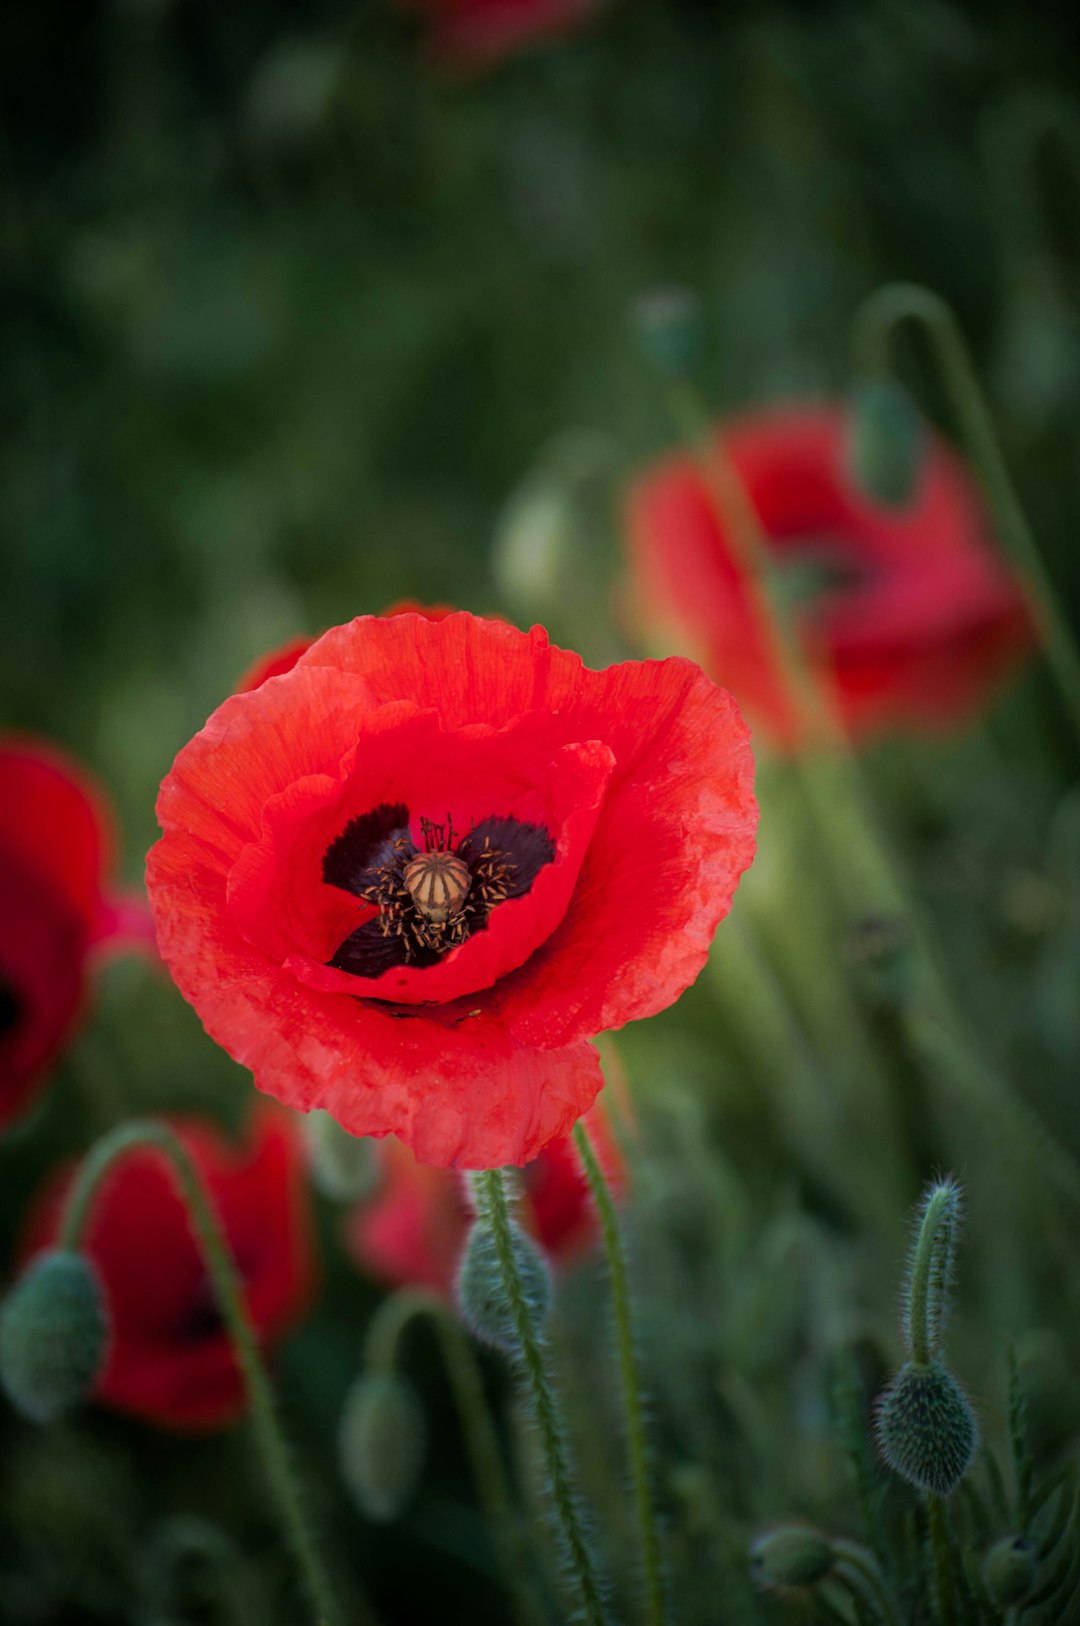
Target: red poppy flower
(55,847)
(475,33)
(170,1360)
(412,1232)
(408,880)
(911,613)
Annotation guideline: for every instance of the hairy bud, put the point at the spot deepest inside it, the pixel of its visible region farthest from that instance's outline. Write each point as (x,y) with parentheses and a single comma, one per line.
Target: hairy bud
(54,1335)
(884,442)
(381,1444)
(481,1292)
(791,1557)
(926,1428)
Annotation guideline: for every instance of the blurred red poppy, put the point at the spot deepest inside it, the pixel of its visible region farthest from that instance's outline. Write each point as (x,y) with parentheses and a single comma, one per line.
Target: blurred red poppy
(170,1360)
(409,879)
(475,33)
(412,1231)
(56,846)
(911,614)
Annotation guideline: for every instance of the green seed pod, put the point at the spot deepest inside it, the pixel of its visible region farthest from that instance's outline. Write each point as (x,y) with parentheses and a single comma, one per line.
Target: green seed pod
(884,444)
(344,1167)
(670,328)
(926,1428)
(54,1335)
(381,1439)
(482,1295)
(791,1557)
(1009,1570)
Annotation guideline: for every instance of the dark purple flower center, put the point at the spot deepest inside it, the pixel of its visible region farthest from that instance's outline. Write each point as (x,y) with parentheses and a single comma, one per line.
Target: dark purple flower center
(430,898)
(11,1008)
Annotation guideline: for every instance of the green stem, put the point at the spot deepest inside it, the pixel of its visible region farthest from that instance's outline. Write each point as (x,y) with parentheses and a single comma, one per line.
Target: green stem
(490,1187)
(860,1573)
(624,1332)
(387,1327)
(227,1290)
(939,1552)
(875,323)
(931,1267)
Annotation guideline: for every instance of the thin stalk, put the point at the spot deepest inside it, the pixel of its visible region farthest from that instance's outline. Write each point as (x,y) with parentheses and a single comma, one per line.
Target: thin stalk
(939,1553)
(859,1572)
(875,323)
(491,1188)
(628,1371)
(227,1290)
(931,1267)
(384,1336)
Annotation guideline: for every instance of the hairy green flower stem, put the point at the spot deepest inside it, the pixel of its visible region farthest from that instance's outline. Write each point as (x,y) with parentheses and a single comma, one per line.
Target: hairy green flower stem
(385,1332)
(489,1194)
(944,1593)
(867,874)
(930,1272)
(875,323)
(628,1370)
(227,1290)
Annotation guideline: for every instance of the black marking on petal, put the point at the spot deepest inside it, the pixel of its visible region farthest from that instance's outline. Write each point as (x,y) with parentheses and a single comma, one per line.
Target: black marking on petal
(526,848)
(367,846)
(369,951)
(11,1008)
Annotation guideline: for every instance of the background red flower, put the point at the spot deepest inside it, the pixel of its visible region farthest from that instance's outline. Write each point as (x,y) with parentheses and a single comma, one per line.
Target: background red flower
(170,1360)
(56,844)
(474,33)
(912,613)
(411,1233)
(608,815)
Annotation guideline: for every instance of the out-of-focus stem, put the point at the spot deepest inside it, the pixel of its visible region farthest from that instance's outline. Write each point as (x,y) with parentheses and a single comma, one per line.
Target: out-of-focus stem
(876,321)
(227,1290)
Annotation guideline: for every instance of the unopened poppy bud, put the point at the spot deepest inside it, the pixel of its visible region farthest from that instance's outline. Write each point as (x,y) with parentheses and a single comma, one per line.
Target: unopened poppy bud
(1009,1570)
(791,1557)
(481,1290)
(884,442)
(381,1444)
(670,328)
(344,1167)
(926,1428)
(54,1335)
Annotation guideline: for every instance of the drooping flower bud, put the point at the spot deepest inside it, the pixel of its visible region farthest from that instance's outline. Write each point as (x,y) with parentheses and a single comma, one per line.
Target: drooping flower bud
(54,1334)
(926,1428)
(481,1291)
(670,327)
(344,1167)
(791,1557)
(1009,1570)
(381,1440)
(884,442)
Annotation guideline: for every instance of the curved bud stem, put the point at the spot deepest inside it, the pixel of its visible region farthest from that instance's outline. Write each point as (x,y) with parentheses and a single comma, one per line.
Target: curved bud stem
(227,1290)
(930,1271)
(624,1331)
(489,1193)
(875,323)
(858,1569)
(388,1326)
